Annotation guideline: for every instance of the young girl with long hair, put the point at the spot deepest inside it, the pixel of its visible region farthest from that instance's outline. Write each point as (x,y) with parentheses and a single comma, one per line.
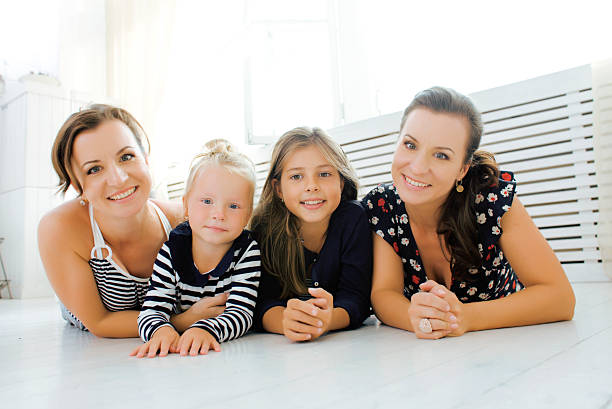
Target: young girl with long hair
(208,255)
(315,243)
(454,249)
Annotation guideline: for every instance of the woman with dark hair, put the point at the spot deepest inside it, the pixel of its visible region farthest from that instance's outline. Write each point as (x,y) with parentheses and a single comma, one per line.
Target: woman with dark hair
(454,249)
(98,250)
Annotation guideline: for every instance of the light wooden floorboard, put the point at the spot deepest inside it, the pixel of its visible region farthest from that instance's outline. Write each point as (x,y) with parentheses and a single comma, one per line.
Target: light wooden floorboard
(46,363)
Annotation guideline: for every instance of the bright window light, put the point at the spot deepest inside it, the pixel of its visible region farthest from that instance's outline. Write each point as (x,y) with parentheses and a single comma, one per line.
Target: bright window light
(289,79)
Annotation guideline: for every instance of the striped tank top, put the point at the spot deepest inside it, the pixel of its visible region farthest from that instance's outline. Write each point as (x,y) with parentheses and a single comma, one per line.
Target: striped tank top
(118,289)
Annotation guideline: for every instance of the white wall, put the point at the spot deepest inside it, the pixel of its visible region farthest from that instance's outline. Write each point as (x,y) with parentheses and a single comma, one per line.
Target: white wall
(473,45)
(82,50)
(69,41)
(65,39)
(30,115)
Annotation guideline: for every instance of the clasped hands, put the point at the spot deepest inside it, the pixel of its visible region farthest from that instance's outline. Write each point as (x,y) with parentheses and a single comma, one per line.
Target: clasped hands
(193,341)
(308,320)
(441,307)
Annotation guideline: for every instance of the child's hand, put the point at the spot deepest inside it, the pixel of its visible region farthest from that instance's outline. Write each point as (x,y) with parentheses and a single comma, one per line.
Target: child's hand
(325,303)
(300,322)
(164,340)
(209,307)
(196,341)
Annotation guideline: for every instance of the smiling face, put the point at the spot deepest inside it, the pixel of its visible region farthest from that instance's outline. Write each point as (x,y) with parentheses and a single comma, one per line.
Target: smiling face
(112,169)
(310,186)
(429,157)
(218,205)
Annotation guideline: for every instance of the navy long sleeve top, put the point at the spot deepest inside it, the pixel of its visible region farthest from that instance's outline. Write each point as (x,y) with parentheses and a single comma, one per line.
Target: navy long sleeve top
(176,284)
(343,267)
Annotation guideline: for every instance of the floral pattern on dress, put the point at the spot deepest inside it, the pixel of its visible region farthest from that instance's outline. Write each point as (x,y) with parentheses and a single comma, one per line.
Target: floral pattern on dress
(494,279)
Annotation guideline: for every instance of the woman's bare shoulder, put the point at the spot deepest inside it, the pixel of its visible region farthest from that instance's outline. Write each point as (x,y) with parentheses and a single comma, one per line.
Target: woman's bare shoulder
(173,211)
(70,221)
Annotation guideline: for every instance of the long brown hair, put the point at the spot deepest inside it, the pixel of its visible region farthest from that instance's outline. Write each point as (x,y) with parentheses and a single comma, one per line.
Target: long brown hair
(84,120)
(457,223)
(277,229)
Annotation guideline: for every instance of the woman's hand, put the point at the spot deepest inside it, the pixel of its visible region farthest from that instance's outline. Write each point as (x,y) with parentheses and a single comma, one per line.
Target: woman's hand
(457,322)
(430,304)
(196,341)
(164,340)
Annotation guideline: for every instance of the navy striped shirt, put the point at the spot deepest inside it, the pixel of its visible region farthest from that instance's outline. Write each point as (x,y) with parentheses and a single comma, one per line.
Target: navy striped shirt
(119,290)
(176,284)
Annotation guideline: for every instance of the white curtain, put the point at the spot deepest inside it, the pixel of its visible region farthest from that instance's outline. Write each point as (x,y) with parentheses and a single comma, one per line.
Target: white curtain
(602,119)
(139,42)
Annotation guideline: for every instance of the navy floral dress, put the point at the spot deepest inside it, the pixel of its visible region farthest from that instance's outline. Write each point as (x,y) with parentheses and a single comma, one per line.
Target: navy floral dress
(494,279)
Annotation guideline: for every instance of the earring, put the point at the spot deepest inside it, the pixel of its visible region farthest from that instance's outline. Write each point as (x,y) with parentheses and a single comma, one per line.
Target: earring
(82,202)
(459,185)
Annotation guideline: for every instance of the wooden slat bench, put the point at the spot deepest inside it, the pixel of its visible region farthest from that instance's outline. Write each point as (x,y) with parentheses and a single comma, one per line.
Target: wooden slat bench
(542,130)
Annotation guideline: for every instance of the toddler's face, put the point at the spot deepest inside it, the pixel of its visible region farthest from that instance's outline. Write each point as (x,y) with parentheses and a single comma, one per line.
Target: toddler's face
(310,186)
(218,206)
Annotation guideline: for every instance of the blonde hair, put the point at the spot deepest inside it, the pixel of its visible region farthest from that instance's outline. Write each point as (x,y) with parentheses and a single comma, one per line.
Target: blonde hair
(221,152)
(276,227)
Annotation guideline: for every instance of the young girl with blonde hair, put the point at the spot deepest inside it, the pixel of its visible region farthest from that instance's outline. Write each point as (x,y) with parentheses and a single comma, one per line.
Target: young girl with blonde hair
(314,238)
(208,255)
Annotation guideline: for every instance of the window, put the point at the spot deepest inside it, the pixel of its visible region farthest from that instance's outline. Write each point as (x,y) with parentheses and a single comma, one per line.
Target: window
(290,69)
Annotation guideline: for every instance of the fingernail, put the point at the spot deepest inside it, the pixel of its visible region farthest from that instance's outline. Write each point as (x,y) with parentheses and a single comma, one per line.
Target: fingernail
(447,308)
(454,326)
(314,312)
(319,324)
(440,292)
(319,330)
(452,318)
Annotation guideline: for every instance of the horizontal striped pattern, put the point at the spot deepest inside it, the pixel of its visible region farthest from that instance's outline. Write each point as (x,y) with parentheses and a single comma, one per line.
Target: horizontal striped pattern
(168,295)
(117,291)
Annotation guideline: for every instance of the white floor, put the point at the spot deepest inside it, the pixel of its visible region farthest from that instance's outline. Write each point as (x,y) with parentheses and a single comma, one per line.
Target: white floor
(46,363)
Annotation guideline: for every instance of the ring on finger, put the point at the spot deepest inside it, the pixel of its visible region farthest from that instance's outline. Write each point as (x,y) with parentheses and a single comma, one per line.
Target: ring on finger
(425,326)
